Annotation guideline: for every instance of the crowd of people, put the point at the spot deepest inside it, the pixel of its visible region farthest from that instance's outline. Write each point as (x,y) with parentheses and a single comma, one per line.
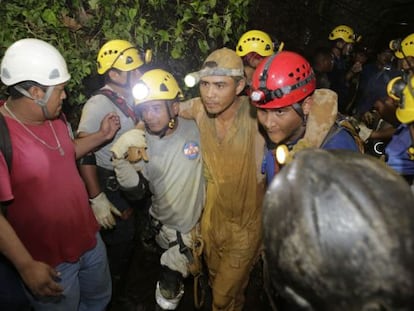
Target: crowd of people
(219,174)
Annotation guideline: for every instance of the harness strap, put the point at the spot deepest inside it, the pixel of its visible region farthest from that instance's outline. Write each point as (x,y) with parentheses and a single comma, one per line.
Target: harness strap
(184,248)
(119,102)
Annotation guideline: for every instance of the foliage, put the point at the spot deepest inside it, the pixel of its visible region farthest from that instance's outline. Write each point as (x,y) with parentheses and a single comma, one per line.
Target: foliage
(180,33)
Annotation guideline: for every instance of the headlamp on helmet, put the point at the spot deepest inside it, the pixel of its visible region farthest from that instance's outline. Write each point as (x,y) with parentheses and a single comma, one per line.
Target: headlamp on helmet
(192,79)
(281,80)
(221,62)
(121,55)
(154,85)
(140,91)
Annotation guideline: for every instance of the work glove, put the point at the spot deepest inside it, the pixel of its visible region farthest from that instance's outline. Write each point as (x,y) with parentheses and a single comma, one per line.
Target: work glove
(131,142)
(364,132)
(126,173)
(103,209)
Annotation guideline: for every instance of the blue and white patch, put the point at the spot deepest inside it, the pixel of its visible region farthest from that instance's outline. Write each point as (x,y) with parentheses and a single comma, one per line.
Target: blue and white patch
(191,150)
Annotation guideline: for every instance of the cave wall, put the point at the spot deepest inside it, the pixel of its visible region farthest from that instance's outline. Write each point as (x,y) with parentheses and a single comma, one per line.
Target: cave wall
(305,24)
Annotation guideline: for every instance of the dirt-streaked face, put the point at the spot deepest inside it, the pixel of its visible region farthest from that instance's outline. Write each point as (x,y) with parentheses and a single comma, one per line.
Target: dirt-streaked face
(282,125)
(219,92)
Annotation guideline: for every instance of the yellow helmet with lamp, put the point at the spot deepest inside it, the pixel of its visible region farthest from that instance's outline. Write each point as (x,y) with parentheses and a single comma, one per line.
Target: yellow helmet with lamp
(121,55)
(403,48)
(259,42)
(402,90)
(156,84)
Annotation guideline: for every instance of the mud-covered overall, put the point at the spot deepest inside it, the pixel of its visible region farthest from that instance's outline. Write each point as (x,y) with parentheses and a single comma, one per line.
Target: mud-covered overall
(231,222)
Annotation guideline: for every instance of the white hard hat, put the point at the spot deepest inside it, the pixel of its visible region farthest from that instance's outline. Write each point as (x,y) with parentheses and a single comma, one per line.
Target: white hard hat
(33,60)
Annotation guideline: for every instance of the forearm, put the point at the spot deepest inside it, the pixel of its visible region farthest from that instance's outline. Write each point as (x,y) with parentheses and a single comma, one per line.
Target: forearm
(89,175)
(87,143)
(11,246)
(383,134)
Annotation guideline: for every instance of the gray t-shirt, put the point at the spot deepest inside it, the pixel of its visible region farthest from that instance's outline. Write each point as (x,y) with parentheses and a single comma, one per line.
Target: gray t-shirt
(94,110)
(175,176)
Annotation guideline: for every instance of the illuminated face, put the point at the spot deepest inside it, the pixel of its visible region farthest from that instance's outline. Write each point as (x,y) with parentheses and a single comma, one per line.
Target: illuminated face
(219,92)
(282,125)
(155,115)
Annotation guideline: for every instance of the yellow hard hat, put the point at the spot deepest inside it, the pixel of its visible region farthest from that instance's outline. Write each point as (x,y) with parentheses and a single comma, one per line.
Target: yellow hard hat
(403,48)
(118,54)
(156,84)
(345,33)
(256,41)
(403,90)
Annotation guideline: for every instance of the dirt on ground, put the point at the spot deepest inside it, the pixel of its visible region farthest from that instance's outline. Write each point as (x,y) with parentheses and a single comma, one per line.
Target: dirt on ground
(143,276)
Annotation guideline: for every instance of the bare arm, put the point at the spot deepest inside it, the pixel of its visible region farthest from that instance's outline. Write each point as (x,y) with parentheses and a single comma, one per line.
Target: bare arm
(86,143)
(90,177)
(38,276)
(383,134)
(186,109)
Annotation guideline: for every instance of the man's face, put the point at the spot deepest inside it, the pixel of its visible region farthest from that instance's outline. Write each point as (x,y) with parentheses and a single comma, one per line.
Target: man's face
(54,104)
(347,49)
(282,125)
(155,115)
(218,93)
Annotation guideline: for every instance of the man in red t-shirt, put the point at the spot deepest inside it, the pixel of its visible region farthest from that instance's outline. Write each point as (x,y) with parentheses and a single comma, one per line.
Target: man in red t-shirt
(50,233)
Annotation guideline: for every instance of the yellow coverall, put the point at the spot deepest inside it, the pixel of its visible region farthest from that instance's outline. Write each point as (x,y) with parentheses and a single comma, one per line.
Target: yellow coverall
(231,224)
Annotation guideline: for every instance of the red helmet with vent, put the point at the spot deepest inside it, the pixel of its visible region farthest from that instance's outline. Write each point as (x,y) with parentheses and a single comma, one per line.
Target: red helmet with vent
(281,80)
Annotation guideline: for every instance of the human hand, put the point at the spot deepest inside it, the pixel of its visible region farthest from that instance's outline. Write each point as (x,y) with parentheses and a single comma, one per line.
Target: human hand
(369,118)
(103,209)
(125,173)
(356,67)
(40,278)
(131,138)
(364,132)
(110,124)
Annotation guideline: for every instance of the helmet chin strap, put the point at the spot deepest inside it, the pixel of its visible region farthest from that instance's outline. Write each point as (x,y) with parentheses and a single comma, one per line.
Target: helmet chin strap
(42,102)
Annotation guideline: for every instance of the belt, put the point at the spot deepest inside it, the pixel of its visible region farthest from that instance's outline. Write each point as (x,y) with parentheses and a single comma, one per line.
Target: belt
(107,179)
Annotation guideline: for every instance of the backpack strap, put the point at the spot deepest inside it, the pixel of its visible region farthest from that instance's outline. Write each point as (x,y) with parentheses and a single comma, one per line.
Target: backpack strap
(347,126)
(5,142)
(119,102)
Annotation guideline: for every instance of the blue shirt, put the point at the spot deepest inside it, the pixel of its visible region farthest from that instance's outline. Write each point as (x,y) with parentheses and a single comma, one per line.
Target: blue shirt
(340,139)
(396,153)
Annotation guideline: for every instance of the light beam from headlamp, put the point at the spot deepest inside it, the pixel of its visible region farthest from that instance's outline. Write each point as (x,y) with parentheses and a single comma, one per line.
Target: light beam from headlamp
(192,79)
(282,152)
(140,91)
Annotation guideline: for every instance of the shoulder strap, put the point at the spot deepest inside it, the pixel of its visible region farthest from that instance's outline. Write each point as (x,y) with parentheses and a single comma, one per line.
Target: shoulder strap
(119,102)
(346,125)
(5,142)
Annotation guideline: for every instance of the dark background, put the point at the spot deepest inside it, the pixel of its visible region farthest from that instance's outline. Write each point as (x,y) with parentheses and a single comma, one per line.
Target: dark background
(305,24)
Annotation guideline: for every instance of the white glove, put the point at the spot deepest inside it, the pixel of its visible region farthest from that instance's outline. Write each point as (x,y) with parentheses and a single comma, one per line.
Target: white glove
(126,174)
(131,138)
(364,131)
(103,210)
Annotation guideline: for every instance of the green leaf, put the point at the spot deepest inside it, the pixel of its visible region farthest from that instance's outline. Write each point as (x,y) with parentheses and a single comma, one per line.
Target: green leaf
(49,17)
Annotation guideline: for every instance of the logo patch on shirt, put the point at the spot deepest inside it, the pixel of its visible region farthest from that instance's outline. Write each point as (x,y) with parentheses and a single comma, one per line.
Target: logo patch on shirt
(191,150)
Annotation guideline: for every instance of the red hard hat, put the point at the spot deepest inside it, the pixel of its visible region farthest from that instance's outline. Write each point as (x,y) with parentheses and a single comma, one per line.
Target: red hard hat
(281,80)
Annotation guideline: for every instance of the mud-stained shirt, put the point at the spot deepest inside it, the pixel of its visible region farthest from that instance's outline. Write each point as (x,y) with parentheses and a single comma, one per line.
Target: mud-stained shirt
(235,185)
